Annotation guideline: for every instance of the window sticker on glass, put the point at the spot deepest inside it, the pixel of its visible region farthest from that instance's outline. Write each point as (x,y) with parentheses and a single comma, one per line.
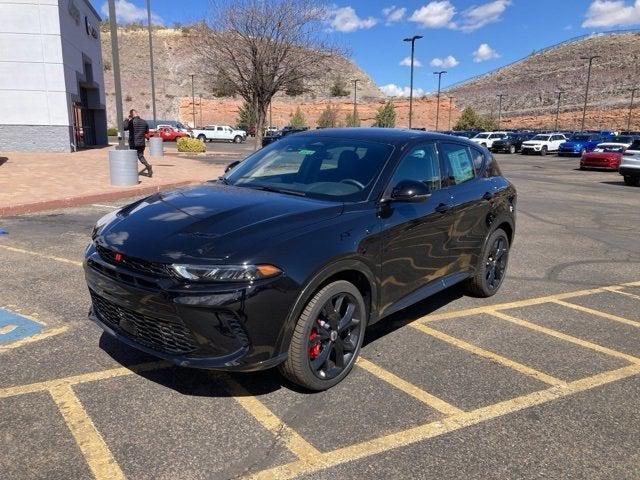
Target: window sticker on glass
(306,152)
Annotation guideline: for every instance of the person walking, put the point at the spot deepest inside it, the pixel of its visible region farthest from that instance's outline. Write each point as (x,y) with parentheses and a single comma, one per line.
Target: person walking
(137,128)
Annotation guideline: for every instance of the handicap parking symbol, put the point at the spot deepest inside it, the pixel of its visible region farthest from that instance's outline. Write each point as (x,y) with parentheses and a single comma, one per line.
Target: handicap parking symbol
(14,327)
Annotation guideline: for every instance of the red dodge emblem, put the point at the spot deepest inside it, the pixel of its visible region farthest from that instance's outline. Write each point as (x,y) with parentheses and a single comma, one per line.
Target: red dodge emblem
(117,257)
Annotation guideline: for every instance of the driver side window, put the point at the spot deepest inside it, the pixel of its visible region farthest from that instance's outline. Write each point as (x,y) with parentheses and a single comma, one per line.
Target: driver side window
(420,164)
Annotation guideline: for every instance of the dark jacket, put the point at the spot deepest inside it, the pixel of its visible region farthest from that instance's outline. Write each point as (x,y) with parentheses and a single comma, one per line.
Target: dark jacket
(137,128)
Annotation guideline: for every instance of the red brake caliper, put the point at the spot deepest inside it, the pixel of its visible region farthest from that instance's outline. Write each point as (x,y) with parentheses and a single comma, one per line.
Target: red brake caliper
(314,349)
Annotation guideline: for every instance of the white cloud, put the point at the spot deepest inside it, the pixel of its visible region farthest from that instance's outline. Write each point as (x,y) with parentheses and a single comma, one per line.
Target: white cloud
(345,19)
(484,52)
(610,13)
(406,62)
(127,12)
(447,62)
(393,90)
(481,15)
(436,14)
(392,14)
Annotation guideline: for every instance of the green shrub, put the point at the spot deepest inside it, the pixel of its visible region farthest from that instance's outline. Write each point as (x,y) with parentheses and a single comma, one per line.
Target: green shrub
(112,132)
(191,145)
(386,116)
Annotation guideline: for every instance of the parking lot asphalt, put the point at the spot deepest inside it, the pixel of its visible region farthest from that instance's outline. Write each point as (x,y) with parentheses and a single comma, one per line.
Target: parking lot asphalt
(540,381)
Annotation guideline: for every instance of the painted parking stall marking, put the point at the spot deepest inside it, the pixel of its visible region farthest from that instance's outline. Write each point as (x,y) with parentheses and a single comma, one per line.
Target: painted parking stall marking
(14,327)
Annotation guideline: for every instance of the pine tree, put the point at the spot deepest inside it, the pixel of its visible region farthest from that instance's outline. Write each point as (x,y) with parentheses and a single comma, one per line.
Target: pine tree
(352,120)
(386,116)
(339,88)
(246,117)
(298,119)
(328,118)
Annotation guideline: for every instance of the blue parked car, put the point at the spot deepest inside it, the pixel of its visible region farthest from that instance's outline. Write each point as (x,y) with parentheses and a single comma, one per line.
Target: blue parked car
(579,144)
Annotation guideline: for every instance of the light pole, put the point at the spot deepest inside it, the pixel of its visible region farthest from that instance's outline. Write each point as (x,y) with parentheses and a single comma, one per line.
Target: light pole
(633,94)
(586,93)
(438,102)
(116,72)
(500,95)
(200,95)
(559,93)
(193,100)
(413,42)
(450,105)
(355,97)
(153,80)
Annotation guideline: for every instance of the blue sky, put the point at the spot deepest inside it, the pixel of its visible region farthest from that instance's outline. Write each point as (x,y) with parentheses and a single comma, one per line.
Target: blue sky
(463,37)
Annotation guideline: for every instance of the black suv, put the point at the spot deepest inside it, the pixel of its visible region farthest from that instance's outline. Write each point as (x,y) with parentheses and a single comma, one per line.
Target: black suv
(287,259)
(512,143)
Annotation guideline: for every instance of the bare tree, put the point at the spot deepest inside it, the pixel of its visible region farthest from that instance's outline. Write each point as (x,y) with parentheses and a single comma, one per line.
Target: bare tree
(263,47)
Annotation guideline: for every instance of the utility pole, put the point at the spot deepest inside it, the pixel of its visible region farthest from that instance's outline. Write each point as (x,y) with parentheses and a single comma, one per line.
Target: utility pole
(559,93)
(193,100)
(450,105)
(201,123)
(153,80)
(413,42)
(633,94)
(586,93)
(355,97)
(500,95)
(270,114)
(116,73)
(438,102)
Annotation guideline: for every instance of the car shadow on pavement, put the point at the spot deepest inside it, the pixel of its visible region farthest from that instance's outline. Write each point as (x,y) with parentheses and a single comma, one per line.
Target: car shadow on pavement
(618,184)
(211,383)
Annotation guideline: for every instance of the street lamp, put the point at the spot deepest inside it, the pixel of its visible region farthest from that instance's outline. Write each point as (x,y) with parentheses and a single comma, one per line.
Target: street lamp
(355,97)
(413,42)
(559,93)
(438,103)
(586,93)
(153,81)
(193,100)
(500,95)
(633,93)
(450,105)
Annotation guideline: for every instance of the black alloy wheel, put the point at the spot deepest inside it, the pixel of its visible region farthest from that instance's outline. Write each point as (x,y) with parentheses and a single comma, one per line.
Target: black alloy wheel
(492,268)
(327,337)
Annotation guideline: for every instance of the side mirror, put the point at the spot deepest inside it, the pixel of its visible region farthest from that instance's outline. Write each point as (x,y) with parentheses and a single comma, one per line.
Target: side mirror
(410,191)
(231,166)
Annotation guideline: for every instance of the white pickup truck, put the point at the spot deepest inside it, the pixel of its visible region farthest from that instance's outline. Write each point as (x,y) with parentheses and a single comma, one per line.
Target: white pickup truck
(219,133)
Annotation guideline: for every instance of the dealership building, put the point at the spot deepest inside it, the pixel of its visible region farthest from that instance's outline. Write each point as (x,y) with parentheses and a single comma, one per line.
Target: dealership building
(51,76)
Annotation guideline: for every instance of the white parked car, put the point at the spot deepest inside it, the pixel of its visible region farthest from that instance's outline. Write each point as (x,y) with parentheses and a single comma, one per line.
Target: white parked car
(220,133)
(486,139)
(630,165)
(543,143)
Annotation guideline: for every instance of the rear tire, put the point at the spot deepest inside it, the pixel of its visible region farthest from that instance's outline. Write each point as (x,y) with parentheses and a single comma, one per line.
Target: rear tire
(327,338)
(632,181)
(492,266)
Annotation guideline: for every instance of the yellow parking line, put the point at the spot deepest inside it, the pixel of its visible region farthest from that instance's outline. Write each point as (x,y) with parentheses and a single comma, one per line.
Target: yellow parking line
(35,338)
(408,388)
(93,447)
(598,313)
(622,292)
(519,367)
(41,255)
(446,425)
(82,378)
(565,337)
(292,439)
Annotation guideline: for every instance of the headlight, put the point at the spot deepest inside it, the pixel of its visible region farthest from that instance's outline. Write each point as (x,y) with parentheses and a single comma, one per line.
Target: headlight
(225,273)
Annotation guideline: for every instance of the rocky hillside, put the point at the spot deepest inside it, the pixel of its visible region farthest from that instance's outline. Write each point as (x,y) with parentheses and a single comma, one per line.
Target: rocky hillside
(173,64)
(530,84)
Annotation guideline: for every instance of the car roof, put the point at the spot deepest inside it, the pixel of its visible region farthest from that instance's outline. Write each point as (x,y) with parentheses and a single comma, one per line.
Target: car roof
(392,136)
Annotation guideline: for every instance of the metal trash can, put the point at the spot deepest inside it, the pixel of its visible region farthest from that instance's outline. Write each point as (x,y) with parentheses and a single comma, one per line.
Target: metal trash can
(155,147)
(123,167)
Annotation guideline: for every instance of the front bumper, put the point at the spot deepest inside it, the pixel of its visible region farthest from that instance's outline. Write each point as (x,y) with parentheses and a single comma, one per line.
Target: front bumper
(216,326)
(531,148)
(596,160)
(569,151)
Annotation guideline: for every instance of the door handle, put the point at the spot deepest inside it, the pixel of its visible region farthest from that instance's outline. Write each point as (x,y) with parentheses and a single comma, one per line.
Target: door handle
(487,196)
(443,208)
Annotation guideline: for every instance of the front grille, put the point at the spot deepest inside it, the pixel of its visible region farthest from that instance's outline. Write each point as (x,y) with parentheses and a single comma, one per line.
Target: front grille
(169,336)
(131,263)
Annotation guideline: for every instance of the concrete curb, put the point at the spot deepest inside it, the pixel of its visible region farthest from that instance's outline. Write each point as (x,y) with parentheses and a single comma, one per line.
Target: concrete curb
(5,211)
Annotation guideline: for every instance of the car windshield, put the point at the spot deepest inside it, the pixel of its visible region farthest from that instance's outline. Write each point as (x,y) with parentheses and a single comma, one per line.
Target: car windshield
(620,139)
(544,138)
(336,169)
(482,135)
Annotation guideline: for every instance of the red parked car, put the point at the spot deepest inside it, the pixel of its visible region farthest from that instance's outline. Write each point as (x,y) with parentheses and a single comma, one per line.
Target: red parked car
(606,155)
(168,134)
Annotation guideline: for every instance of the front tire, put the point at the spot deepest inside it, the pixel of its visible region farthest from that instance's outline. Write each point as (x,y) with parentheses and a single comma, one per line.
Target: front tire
(543,151)
(327,337)
(632,181)
(492,267)
(237,139)
(512,149)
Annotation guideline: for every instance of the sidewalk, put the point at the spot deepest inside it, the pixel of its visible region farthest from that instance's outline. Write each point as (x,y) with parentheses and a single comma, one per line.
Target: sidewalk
(31,182)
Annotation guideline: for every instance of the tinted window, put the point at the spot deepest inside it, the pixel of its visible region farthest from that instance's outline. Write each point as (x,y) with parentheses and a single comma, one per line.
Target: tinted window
(544,138)
(478,159)
(420,164)
(341,170)
(635,145)
(482,135)
(458,163)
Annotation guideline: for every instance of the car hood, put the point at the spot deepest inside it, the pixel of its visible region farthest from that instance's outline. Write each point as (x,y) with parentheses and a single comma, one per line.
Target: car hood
(575,143)
(211,221)
(535,142)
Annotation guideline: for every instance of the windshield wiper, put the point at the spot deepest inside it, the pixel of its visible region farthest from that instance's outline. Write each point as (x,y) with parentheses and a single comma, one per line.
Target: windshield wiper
(223,180)
(267,188)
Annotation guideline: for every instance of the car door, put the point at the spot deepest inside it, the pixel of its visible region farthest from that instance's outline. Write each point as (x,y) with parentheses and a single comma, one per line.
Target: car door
(472,196)
(556,140)
(415,245)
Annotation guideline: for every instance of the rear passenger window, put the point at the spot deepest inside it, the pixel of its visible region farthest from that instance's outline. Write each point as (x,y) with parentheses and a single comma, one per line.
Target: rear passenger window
(458,163)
